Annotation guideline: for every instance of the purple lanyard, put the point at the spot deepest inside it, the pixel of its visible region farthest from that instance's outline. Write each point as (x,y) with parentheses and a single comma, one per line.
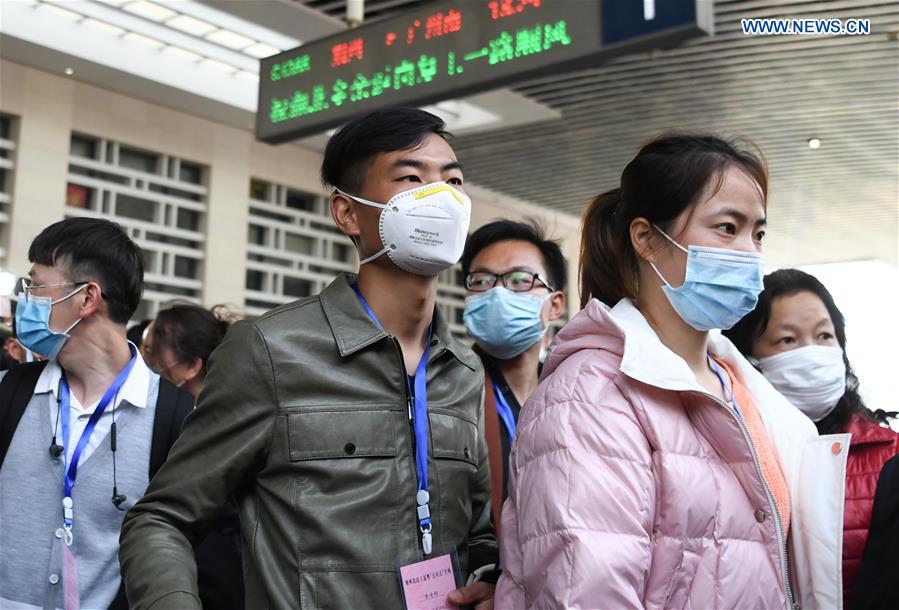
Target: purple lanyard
(504,411)
(71,474)
(724,384)
(419,417)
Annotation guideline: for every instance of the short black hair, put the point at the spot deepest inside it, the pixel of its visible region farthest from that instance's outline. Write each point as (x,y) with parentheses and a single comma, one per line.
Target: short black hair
(352,148)
(97,250)
(530,231)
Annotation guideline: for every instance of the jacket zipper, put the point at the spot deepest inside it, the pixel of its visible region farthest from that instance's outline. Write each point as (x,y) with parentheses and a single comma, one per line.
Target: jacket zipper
(784,557)
(778,521)
(411,420)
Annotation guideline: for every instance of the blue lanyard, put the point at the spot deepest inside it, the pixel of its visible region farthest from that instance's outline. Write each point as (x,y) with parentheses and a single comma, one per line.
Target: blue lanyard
(727,387)
(419,416)
(72,464)
(504,411)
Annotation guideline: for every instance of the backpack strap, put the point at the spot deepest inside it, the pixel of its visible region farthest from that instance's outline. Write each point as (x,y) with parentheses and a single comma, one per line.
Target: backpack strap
(172,406)
(16,390)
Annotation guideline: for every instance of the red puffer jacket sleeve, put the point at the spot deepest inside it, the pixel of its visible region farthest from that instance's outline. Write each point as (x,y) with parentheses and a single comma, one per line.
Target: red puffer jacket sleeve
(871,447)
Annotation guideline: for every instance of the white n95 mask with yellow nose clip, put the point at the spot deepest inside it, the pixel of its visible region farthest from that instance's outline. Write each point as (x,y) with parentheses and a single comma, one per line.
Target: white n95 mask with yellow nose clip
(422,230)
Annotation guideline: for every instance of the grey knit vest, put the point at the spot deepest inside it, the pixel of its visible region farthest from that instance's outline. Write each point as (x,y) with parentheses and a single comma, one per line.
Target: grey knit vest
(31,545)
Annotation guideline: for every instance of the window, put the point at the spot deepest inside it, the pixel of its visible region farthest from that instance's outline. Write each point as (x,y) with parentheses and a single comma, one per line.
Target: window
(300,201)
(257,235)
(188,220)
(163,208)
(295,287)
(259,190)
(298,243)
(190,172)
(133,158)
(255,280)
(185,267)
(133,207)
(83,146)
(79,197)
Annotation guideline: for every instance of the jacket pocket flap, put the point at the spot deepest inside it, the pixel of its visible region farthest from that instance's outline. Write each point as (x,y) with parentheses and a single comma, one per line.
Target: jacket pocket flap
(315,435)
(453,438)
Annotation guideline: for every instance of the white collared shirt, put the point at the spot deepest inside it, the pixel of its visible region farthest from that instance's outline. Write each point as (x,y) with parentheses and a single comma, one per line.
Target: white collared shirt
(133,392)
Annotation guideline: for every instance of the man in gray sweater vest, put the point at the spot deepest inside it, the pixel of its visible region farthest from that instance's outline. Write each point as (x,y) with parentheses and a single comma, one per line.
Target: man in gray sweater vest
(65,482)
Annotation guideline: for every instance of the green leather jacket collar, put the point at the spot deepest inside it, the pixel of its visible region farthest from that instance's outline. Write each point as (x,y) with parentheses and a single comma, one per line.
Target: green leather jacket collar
(353,330)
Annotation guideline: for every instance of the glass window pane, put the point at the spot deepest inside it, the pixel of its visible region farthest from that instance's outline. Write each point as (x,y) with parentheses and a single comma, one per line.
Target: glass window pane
(83,146)
(256,235)
(78,196)
(300,201)
(259,190)
(185,267)
(191,172)
(295,287)
(342,253)
(188,220)
(298,243)
(255,280)
(133,207)
(138,159)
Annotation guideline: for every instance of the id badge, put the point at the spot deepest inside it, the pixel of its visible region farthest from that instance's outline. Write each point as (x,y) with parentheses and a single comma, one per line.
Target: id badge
(69,578)
(425,584)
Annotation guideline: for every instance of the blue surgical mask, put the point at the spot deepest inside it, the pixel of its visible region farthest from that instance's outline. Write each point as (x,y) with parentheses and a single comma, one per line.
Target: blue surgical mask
(720,286)
(504,323)
(33,324)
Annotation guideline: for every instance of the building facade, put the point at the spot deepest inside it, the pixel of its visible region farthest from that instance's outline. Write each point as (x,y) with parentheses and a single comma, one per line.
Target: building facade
(220,217)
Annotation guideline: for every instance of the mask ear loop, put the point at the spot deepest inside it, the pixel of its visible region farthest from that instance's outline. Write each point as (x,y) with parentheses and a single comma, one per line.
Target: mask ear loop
(377,254)
(680,247)
(71,294)
(381,206)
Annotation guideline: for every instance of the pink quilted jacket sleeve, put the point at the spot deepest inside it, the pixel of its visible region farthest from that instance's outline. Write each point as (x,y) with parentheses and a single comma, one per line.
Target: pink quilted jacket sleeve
(577,524)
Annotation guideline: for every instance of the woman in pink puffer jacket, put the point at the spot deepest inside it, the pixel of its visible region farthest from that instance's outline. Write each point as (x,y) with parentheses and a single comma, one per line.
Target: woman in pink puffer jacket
(654,467)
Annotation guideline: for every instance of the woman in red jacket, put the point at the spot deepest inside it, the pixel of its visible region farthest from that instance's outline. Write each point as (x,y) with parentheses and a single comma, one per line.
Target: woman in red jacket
(797,337)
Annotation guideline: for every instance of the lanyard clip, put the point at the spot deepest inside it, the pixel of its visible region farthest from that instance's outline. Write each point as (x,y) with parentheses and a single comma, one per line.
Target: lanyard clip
(68,509)
(426,544)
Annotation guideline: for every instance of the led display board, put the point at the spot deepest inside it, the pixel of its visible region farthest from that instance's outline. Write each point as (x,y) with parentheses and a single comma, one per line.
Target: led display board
(450,49)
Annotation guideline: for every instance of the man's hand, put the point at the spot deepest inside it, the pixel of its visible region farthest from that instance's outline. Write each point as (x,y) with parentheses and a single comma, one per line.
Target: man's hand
(480,594)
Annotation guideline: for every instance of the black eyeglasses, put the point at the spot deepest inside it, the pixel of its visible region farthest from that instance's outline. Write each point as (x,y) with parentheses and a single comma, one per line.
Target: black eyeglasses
(516,281)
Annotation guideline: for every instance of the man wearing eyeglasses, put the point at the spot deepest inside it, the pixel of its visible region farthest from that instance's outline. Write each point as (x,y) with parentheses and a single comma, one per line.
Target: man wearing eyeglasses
(515,278)
(83,431)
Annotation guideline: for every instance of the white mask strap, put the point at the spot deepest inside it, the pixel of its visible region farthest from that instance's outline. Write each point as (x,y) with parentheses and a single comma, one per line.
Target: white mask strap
(70,295)
(363,201)
(374,256)
(668,237)
(74,324)
(374,205)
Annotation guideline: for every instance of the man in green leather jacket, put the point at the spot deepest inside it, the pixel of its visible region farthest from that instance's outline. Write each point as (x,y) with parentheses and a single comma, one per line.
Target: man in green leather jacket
(312,416)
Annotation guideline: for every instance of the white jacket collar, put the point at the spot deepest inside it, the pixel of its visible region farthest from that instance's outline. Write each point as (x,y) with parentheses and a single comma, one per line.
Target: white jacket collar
(814,466)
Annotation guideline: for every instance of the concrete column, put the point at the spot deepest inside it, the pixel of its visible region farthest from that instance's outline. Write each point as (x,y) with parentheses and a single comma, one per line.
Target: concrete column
(44,105)
(226,219)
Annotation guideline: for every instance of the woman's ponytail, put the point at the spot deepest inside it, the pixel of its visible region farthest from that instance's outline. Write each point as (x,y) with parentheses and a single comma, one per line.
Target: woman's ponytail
(606,266)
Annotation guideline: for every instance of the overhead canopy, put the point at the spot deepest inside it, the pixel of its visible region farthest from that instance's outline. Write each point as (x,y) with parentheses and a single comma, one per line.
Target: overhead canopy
(834,203)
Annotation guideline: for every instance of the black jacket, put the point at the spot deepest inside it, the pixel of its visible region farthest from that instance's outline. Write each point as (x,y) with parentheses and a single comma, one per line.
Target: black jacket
(877,585)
